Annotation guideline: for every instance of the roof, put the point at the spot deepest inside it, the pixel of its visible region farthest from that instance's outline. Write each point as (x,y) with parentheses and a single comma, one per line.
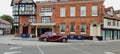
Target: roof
(105,14)
(117,12)
(16,1)
(5,22)
(108,9)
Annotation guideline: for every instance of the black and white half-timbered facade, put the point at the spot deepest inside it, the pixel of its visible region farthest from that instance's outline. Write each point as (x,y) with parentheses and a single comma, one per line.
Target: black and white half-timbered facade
(23,10)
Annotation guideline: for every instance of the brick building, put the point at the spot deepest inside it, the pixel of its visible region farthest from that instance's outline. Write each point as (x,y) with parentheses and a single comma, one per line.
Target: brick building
(76,17)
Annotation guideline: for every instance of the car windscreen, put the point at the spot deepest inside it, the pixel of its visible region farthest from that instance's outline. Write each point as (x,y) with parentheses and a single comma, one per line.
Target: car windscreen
(51,34)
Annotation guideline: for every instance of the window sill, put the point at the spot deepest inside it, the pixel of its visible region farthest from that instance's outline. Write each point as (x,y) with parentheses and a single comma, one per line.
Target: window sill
(72,32)
(62,17)
(94,16)
(82,33)
(72,16)
(62,32)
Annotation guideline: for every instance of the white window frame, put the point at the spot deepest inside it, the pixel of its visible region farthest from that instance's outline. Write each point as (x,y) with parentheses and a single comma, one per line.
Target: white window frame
(72,11)
(83,11)
(16,19)
(108,21)
(64,27)
(45,19)
(95,10)
(72,32)
(62,12)
(32,19)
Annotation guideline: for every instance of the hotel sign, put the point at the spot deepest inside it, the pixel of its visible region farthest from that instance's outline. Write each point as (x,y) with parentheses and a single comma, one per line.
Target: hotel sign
(46,14)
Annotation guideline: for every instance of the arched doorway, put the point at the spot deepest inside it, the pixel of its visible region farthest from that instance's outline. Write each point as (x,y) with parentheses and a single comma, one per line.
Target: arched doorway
(95,30)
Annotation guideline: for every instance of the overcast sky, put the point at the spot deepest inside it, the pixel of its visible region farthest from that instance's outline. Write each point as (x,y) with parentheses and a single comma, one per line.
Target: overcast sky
(5,7)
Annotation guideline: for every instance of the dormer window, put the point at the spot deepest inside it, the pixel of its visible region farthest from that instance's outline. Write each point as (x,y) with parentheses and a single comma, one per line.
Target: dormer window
(110,12)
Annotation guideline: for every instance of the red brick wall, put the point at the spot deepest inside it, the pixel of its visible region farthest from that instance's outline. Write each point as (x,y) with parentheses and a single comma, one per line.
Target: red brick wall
(77,19)
(24,21)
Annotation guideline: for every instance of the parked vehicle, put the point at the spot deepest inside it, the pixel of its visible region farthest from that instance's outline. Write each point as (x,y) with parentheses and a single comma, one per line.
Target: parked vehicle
(51,36)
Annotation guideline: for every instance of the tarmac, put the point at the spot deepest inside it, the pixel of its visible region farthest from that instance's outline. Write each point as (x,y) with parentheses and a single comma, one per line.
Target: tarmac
(11,39)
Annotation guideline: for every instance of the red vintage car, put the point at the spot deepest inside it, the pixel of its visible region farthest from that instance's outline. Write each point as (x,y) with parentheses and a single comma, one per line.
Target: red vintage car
(50,36)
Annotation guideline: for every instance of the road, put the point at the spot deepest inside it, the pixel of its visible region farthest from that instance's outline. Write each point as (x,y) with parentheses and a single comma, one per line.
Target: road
(72,48)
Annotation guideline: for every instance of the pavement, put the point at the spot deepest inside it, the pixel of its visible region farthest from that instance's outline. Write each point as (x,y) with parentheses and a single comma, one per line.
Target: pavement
(9,44)
(11,39)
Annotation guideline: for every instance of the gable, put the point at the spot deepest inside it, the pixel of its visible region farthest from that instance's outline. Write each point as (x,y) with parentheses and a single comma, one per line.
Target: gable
(110,12)
(14,2)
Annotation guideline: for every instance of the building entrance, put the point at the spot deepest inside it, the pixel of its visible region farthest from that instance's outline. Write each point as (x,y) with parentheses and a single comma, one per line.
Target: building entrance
(43,30)
(25,30)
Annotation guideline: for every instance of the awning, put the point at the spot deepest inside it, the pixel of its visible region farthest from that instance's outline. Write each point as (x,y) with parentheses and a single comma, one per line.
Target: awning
(43,24)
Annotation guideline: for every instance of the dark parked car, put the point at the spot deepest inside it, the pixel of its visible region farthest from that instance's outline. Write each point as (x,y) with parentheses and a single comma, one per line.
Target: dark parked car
(50,36)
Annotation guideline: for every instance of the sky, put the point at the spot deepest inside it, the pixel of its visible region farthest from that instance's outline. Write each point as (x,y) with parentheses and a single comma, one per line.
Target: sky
(5,7)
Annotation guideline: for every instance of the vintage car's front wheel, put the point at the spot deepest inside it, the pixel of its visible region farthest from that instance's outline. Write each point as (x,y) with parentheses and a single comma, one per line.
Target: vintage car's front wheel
(64,40)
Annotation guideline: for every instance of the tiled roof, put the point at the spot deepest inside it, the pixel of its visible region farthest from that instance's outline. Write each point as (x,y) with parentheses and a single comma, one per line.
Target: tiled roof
(105,14)
(108,9)
(117,12)
(16,1)
(5,22)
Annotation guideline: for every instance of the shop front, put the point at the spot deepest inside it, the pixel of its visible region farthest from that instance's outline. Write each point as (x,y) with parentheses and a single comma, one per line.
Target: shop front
(41,28)
(110,34)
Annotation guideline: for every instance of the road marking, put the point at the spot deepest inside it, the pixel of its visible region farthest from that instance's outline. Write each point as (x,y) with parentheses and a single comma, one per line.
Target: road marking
(108,53)
(12,52)
(79,49)
(14,48)
(41,51)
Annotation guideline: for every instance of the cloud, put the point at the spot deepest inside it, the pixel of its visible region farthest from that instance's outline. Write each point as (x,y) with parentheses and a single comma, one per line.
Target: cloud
(114,3)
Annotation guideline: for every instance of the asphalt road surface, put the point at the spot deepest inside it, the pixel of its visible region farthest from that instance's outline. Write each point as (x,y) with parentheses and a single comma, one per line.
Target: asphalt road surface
(73,48)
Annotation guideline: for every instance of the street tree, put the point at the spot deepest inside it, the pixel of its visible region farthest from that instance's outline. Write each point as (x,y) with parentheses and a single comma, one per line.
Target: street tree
(7,18)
